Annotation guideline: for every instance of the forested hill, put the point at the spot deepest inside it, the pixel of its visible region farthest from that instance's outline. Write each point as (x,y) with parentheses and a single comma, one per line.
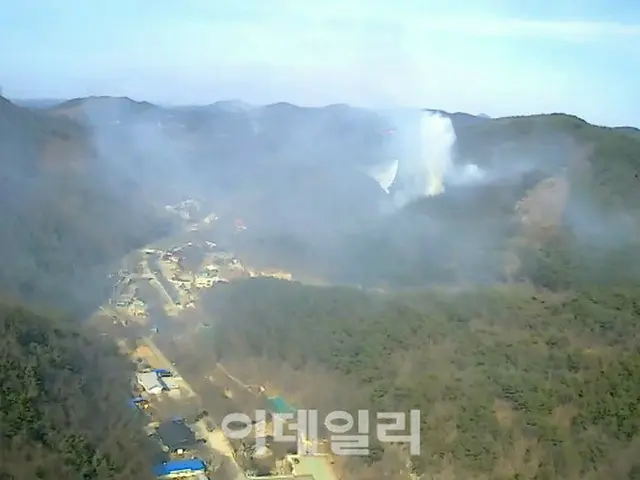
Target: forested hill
(63,223)
(519,341)
(512,381)
(553,185)
(64,411)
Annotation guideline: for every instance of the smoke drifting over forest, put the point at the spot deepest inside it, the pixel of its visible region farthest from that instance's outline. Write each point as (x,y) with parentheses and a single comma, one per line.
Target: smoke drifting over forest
(354,195)
(426,162)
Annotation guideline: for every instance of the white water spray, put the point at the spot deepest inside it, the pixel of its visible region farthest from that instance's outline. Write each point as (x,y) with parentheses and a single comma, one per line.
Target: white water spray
(385,175)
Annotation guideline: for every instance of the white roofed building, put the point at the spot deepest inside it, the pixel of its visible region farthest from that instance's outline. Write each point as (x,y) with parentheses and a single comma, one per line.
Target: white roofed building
(150,382)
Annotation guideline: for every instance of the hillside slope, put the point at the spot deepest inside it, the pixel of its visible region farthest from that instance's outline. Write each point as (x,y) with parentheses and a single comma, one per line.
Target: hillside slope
(546,178)
(63,221)
(286,170)
(63,404)
(63,392)
(29,140)
(511,382)
(518,340)
(295,175)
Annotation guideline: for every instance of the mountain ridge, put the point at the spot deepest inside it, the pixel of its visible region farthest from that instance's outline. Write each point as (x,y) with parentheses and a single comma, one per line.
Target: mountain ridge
(305,165)
(49,102)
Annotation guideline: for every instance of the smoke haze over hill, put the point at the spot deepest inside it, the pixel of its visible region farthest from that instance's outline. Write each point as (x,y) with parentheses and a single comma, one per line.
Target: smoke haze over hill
(324,188)
(159,160)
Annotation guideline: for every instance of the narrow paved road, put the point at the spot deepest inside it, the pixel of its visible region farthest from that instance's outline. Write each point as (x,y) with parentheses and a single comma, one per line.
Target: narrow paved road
(156,271)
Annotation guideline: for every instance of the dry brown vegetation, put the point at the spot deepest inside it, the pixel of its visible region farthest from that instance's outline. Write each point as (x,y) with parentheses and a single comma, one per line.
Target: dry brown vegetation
(511,382)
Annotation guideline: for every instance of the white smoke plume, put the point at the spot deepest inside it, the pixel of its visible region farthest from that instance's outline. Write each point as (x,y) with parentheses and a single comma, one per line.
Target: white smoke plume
(424,143)
(437,139)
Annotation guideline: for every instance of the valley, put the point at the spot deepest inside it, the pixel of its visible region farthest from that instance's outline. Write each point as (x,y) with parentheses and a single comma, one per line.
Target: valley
(241,257)
(154,302)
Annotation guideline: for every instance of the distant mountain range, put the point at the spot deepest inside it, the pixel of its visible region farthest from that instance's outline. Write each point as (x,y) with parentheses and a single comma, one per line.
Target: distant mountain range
(297,172)
(37,102)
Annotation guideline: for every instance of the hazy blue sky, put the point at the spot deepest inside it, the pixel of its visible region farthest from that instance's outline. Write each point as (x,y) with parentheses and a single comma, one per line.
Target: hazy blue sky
(492,56)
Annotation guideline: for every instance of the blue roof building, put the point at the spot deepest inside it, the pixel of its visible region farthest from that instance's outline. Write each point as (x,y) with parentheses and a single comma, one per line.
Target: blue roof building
(134,402)
(176,467)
